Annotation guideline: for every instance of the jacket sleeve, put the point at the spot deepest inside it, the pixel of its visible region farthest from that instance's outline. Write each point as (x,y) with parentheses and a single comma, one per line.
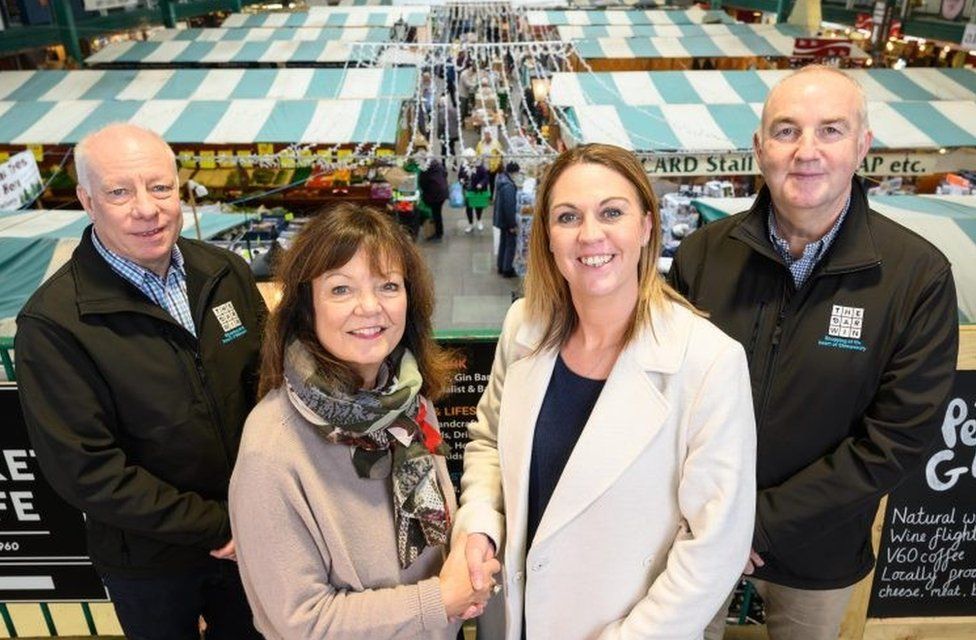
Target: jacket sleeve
(896,432)
(482,505)
(716,497)
(285,566)
(71,423)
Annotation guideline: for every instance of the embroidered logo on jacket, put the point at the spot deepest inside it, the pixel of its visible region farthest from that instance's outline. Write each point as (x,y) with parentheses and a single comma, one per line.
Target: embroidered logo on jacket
(229,321)
(844,328)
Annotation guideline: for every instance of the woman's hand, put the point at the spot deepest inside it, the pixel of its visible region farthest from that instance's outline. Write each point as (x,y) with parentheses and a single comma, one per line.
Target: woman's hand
(461,599)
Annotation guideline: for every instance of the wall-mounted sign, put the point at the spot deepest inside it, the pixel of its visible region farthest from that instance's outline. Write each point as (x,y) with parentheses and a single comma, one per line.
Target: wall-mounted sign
(822,48)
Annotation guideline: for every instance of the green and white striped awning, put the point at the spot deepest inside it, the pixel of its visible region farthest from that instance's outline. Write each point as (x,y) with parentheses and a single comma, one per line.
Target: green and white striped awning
(190,52)
(948,222)
(639,88)
(651,16)
(302,34)
(760,41)
(207,121)
(698,128)
(209,84)
(570,32)
(415,16)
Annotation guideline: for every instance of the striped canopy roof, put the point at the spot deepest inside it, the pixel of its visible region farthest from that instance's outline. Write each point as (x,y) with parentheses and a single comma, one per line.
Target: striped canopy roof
(34,244)
(332,17)
(697,128)
(652,16)
(948,222)
(208,84)
(570,32)
(233,51)
(778,42)
(206,121)
(736,87)
(351,34)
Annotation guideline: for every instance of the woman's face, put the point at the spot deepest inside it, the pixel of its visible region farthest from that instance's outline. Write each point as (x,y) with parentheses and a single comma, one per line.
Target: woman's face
(596,231)
(360,315)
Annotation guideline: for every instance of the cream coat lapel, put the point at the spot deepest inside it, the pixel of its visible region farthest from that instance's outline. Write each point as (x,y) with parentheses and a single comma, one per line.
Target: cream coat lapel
(624,421)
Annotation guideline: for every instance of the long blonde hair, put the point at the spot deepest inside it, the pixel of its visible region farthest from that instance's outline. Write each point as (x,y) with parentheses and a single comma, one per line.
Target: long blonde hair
(548,299)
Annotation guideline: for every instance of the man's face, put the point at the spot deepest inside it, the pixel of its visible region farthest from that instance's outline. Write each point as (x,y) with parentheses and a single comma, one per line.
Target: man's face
(810,144)
(134,201)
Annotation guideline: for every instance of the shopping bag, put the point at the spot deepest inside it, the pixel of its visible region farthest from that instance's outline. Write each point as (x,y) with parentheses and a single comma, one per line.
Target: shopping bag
(456,195)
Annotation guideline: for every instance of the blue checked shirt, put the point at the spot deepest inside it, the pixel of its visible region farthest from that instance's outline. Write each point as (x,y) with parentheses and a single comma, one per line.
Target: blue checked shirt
(169,293)
(802,267)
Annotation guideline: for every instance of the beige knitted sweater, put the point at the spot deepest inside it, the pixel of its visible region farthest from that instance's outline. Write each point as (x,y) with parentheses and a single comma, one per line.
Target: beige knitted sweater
(315,542)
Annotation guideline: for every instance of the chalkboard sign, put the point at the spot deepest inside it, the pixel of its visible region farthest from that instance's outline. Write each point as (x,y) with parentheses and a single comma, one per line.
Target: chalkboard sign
(42,538)
(459,407)
(927,558)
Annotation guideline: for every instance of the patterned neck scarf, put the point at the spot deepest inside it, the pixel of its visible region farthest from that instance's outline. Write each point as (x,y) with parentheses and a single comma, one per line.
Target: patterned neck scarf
(374,423)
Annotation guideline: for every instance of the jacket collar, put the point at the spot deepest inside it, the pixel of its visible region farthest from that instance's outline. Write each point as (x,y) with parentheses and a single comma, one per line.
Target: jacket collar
(659,348)
(853,249)
(101,290)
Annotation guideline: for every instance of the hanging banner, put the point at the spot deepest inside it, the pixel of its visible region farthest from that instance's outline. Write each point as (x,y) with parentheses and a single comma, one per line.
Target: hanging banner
(20,181)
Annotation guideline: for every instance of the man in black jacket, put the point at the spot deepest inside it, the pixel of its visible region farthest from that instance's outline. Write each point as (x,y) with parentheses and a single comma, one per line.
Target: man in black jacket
(137,364)
(850,325)
(505,219)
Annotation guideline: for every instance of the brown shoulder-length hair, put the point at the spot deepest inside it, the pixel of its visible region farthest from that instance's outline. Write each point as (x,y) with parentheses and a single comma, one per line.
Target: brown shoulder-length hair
(327,242)
(547,294)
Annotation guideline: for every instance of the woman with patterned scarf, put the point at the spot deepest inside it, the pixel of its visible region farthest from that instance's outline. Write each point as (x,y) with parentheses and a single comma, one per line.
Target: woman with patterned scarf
(341,504)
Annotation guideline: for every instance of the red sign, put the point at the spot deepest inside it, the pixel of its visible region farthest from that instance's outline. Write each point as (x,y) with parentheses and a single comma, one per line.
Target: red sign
(822,48)
(863,21)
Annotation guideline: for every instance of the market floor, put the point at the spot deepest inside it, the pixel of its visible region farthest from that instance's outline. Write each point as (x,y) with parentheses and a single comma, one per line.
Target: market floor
(471,296)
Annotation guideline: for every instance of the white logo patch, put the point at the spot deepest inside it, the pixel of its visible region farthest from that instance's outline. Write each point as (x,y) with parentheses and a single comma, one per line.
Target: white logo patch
(227,316)
(845,322)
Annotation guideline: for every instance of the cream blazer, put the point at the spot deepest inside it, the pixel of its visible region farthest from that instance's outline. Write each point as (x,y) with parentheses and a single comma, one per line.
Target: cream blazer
(650,524)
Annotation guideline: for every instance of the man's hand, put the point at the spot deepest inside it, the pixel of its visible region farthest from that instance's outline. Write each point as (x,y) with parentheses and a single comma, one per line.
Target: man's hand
(478,550)
(226,552)
(754,562)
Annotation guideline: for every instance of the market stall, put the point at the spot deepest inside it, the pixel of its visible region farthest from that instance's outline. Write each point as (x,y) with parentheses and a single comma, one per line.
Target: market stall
(366,16)
(189,53)
(261,34)
(695,15)
(948,222)
(209,84)
(700,123)
(757,46)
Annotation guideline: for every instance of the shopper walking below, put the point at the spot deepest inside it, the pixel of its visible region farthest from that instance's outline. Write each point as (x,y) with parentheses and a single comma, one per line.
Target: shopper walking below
(434,191)
(474,178)
(505,219)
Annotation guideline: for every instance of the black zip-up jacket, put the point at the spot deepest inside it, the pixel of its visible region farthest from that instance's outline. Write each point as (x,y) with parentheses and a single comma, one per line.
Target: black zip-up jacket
(134,420)
(842,415)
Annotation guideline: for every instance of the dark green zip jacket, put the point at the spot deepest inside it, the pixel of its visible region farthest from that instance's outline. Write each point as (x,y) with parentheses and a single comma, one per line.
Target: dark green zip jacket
(134,420)
(850,376)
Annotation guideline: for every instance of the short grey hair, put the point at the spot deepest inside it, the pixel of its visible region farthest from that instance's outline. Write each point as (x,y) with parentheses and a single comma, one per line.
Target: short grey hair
(82,150)
(862,98)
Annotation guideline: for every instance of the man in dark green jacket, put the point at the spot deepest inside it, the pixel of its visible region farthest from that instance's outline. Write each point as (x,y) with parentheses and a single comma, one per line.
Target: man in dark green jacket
(137,365)
(850,325)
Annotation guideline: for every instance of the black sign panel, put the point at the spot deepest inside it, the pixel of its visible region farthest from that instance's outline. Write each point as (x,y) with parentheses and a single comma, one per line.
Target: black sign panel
(42,538)
(927,558)
(458,407)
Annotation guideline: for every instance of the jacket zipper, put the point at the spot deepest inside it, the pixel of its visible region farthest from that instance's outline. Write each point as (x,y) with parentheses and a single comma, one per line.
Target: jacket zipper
(215,421)
(771,361)
(755,328)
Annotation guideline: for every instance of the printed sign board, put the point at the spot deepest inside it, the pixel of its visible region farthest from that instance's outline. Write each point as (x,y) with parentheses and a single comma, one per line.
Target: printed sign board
(42,538)
(20,181)
(927,558)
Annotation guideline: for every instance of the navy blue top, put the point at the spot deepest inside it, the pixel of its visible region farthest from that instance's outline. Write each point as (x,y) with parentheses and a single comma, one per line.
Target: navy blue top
(565,409)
